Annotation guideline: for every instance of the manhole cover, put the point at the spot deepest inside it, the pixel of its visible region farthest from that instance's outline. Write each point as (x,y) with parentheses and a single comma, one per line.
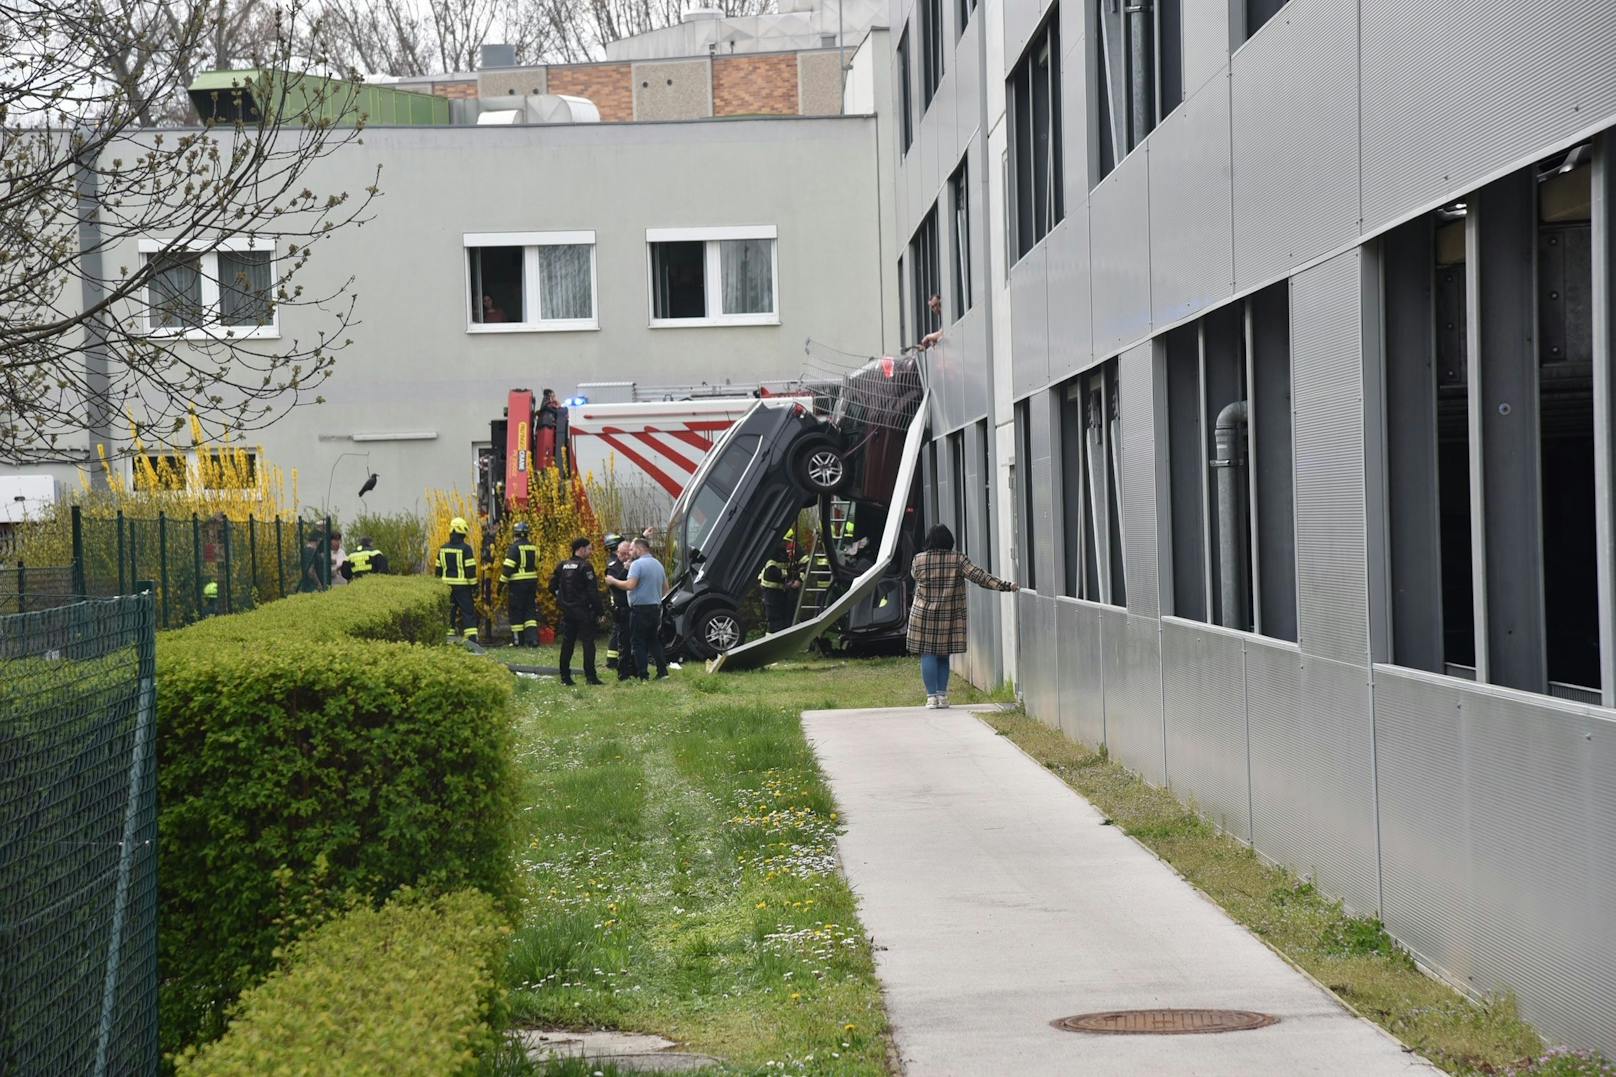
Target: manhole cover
(1165,1022)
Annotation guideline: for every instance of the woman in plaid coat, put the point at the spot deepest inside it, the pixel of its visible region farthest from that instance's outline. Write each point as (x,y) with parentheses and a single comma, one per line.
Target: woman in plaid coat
(937,616)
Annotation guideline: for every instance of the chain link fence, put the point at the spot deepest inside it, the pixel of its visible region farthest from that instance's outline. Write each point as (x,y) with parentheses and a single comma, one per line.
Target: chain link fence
(78,829)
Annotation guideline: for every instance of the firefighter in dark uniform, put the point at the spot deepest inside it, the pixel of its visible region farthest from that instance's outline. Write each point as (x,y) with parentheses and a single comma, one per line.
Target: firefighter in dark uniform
(780,583)
(520,575)
(367,560)
(457,566)
(617,643)
(577,592)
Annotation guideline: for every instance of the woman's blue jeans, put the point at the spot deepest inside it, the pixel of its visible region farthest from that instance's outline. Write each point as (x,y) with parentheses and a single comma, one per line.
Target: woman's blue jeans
(934,673)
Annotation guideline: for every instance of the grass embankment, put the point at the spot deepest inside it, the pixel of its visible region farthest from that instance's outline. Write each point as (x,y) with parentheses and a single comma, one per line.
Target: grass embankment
(1352,956)
(681,867)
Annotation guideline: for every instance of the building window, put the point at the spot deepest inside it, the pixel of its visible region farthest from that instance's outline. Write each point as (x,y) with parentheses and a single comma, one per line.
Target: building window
(924,264)
(1493,582)
(226,291)
(1028,575)
(228,469)
(160,471)
(930,13)
(713,276)
(1231,480)
(967,8)
(1037,177)
(906,129)
(1259,12)
(959,197)
(1091,487)
(956,464)
(1138,74)
(530,281)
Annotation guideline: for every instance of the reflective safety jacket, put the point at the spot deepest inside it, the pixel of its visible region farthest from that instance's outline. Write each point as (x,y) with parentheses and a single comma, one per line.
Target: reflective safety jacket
(210,590)
(521,563)
(617,570)
(457,565)
(363,561)
(777,573)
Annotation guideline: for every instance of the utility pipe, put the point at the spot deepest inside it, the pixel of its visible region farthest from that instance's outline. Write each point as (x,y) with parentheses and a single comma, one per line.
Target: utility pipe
(1234,563)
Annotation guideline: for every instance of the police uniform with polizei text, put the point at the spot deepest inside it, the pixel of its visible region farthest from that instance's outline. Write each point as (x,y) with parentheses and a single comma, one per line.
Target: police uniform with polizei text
(520,575)
(457,566)
(577,591)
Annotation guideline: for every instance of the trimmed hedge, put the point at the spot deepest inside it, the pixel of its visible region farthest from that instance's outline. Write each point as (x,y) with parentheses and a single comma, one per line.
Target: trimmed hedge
(406,989)
(295,774)
(409,609)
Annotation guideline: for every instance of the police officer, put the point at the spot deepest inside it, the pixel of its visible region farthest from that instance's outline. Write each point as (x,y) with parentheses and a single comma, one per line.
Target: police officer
(617,569)
(520,575)
(364,561)
(457,566)
(577,592)
(780,583)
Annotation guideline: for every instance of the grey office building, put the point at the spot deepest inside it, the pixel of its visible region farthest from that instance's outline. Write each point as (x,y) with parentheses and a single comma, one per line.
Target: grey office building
(1276,366)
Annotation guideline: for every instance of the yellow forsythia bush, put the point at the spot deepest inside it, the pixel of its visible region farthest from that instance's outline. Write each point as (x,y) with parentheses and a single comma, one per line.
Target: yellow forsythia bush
(405,989)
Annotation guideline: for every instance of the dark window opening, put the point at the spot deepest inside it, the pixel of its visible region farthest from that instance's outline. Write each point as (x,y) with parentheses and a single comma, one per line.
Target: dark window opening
(967,8)
(960,202)
(1259,12)
(175,291)
(930,13)
(906,131)
(1073,489)
(925,265)
(679,279)
(985,489)
(1118,595)
(244,284)
(1230,468)
(1034,89)
(1138,73)
(496,284)
(1091,486)
(956,463)
(1028,574)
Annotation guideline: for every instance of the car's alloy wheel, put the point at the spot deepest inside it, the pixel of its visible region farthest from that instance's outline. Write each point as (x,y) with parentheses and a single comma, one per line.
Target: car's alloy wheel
(821,468)
(721,630)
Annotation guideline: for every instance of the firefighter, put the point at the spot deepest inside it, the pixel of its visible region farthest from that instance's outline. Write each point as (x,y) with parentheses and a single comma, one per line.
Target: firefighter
(457,566)
(616,569)
(780,582)
(364,561)
(210,598)
(577,592)
(520,575)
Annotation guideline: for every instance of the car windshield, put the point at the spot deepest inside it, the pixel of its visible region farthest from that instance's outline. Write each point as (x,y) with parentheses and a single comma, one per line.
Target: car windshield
(716,488)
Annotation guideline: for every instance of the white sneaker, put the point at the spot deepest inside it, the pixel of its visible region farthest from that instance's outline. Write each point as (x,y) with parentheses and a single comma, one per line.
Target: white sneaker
(942,701)
(931,703)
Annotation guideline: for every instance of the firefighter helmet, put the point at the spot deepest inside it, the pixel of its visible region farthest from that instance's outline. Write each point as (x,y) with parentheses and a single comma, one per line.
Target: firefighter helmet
(521,528)
(458,526)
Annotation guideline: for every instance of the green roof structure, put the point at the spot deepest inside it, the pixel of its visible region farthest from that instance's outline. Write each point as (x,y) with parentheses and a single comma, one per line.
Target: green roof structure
(232,96)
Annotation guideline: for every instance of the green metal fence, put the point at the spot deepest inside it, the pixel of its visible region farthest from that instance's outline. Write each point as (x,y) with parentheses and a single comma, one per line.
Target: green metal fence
(78,830)
(249,562)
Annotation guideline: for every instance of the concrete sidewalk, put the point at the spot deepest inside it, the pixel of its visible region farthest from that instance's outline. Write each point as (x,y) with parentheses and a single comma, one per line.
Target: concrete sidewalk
(999,903)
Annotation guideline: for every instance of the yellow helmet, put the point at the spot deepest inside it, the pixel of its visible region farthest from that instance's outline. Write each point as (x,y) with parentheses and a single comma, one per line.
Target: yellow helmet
(458,526)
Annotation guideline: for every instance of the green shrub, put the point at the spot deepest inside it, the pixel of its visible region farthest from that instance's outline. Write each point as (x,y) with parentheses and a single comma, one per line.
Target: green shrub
(406,989)
(296,768)
(401,536)
(410,609)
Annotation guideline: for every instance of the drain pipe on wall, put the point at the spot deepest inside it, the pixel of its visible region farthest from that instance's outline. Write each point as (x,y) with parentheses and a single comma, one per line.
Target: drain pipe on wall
(1230,462)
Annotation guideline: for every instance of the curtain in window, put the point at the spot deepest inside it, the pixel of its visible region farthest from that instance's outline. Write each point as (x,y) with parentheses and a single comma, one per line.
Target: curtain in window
(565,281)
(175,291)
(244,287)
(747,266)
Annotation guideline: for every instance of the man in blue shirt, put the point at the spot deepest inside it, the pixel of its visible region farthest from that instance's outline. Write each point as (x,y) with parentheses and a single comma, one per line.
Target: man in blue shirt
(646,583)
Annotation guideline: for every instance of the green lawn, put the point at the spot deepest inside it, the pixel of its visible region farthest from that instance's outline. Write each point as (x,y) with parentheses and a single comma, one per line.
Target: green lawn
(681,861)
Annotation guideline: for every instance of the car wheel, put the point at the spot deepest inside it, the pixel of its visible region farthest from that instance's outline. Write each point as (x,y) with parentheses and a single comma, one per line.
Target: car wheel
(717,627)
(820,467)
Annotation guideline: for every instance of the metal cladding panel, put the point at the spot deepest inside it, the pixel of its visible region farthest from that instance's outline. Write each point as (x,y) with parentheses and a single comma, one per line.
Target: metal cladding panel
(1133,714)
(1312,776)
(1029,324)
(1020,20)
(1045,547)
(1082,671)
(1206,40)
(1071,337)
(1191,222)
(1295,120)
(1204,694)
(967,88)
(1139,493)
(1119,252)
(1498,844)
(1039,687)
(1513,80)
(1327,397)
(1074,107)
(1027,644)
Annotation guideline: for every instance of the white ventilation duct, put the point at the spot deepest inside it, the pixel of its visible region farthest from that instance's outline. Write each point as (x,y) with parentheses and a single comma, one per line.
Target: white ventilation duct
(499,117)
(561,108)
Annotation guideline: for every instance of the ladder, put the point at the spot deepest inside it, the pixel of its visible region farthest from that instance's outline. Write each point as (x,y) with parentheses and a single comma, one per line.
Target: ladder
(818,579)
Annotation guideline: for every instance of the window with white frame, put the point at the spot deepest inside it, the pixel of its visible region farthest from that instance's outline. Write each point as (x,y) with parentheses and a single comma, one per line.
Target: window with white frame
(713,276)
(530,281)
(226,289)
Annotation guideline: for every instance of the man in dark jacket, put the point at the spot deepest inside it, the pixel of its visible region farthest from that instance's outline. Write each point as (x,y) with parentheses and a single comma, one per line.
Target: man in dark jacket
(780,584)
(577,592)
(619,652)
